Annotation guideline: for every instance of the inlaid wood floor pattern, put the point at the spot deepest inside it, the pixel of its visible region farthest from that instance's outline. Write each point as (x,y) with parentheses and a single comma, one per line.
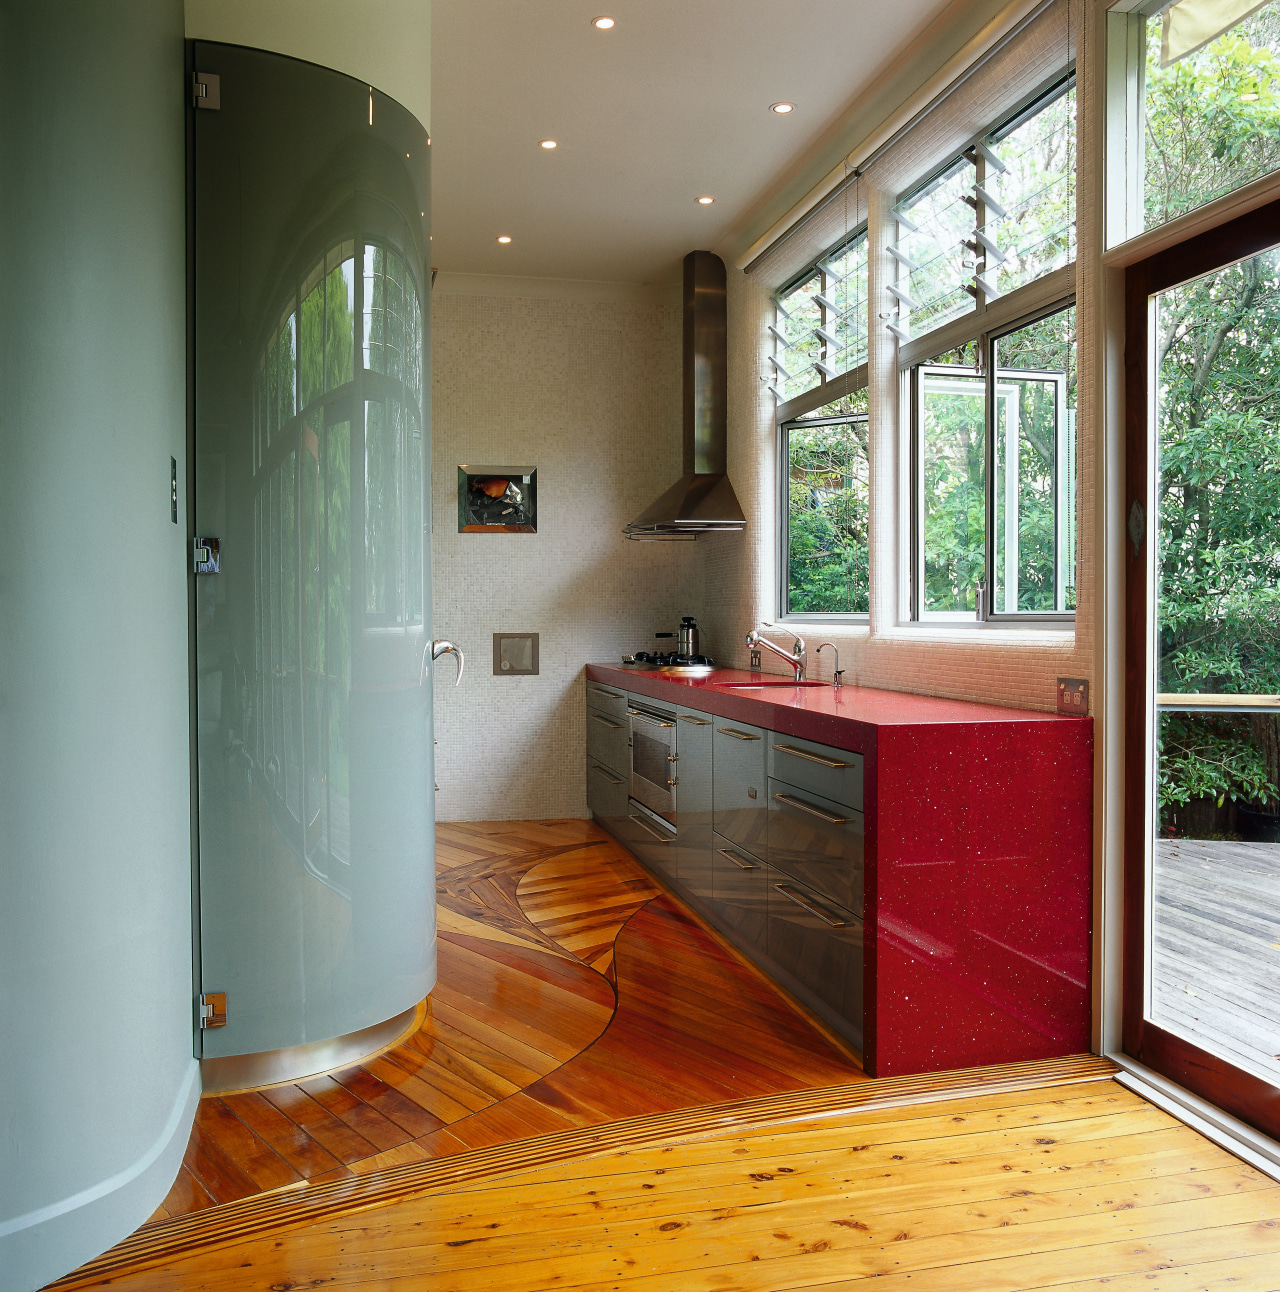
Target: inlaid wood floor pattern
(1081,1187)
(572,992)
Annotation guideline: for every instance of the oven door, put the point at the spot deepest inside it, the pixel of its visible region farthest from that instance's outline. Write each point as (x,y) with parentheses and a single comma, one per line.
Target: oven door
(653,760)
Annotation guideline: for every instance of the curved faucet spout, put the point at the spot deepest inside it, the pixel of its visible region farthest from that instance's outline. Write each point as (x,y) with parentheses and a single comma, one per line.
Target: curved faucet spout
(797,658)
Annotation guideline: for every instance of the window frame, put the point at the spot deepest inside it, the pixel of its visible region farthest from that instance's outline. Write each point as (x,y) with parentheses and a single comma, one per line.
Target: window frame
(1005,322)
(858,618)
(991,318)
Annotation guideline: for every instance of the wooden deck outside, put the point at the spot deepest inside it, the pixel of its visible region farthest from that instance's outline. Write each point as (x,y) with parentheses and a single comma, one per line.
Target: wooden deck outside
(1216,970)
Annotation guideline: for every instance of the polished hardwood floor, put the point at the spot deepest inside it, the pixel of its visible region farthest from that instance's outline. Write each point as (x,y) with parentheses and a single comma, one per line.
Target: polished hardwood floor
(605,1097)
(1082,1187)
(572,992)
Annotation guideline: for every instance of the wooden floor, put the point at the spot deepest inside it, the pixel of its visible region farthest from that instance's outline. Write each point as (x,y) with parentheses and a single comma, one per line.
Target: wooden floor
(1216,921)
(1086,1187)
(572,992)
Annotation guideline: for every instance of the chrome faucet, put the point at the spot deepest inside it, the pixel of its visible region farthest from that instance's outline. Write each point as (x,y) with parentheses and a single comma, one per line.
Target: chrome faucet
(838,675)
(798,657)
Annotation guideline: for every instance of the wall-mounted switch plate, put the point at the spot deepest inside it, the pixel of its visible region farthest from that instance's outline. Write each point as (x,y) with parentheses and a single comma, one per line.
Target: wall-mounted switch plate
(1073,696)
(515,654)
(755,659)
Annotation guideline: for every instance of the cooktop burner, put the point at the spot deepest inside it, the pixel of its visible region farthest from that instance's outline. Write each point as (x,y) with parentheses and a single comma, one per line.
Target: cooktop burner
(670,660)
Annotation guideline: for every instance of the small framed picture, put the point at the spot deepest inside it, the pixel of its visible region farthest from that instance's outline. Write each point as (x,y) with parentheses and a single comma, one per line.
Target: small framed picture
(497,500)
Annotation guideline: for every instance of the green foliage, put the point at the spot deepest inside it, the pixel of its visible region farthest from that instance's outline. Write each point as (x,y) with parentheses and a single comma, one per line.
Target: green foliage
(1209,756)
(1213,118)
(827,562)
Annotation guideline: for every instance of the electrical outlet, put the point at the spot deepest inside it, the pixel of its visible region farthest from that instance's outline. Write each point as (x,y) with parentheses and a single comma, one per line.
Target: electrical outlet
(755,659)
(1073,696)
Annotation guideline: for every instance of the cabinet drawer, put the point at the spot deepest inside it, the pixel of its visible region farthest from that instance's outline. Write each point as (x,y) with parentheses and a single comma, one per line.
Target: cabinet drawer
(836,774)
(740,784)
(606,794)
(740,896)
(819,945)
(817,842)
(607,740)
(653,842)
(607,699)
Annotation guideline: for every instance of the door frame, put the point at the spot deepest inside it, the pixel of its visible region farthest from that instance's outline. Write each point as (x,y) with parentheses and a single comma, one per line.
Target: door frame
(1239,1093)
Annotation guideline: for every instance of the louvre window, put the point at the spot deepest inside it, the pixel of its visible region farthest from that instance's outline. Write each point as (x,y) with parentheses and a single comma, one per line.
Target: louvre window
(820,330)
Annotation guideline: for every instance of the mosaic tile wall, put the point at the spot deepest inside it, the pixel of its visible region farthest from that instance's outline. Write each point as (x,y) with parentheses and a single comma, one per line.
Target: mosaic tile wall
(588,391)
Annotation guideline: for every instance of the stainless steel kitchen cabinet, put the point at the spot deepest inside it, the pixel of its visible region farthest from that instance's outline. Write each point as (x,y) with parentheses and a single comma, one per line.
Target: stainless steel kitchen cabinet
(817,841)
(740,785)
(816,945)
(740,897)
(694,750)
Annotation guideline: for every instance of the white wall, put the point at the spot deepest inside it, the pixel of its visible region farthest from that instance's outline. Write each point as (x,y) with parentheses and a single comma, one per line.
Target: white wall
(583,382)
(385,43)
(97,1080)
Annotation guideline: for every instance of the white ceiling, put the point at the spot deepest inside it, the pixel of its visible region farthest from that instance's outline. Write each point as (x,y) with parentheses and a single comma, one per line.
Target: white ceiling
(671,104)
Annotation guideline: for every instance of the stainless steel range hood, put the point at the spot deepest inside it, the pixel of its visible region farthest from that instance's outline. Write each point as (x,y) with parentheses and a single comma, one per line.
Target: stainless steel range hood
(702,501)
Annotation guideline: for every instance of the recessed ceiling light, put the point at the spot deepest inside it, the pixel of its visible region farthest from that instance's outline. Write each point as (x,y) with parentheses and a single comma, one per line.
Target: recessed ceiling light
(548,143)
(602,22)
(782,108)
(503,238)
(705,201)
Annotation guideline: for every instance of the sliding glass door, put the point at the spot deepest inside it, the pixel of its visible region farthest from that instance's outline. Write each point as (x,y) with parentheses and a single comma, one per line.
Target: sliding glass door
(1203,723)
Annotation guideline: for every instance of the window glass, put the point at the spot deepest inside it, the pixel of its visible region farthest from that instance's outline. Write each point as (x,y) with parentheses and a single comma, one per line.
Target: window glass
(996,463)
(1028,196)
(339,317)
(827,510)
(952,452)
(820,330)
(935,266)
(1033,465)
(1212,116)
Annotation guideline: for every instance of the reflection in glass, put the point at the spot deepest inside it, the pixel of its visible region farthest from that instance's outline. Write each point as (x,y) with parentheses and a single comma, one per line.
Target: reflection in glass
(1034,487)
(316,849)
(953,413)
(1215,881)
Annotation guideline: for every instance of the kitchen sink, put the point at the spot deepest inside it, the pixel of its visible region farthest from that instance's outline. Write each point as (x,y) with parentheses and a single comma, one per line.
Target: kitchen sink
(753,686)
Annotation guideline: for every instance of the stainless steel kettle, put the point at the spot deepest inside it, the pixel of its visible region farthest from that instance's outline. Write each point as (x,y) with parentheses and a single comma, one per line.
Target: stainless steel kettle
(687,642)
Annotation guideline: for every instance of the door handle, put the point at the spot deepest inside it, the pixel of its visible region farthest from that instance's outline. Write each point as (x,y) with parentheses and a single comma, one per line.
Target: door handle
(613,695)
(697,722)
(737,735)
(613,780)
(737,861)
(791,801)
(604,722)
(813,758)
(648,829)
(443,647)
(812,907)
(644,717)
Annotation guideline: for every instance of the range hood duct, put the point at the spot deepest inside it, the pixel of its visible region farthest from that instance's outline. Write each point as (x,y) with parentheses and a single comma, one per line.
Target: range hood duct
(702,501)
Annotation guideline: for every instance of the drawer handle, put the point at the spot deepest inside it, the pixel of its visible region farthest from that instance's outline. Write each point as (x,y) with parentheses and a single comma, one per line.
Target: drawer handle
(791,801)
(613,780)
(813,758)
(737,735)
(644,717)
(649,829)
(613,695)
(737,861)
(812,907)
(617,726)
(697,722)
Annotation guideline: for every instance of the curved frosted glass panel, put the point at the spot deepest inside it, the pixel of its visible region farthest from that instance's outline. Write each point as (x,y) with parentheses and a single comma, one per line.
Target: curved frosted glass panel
(316,849)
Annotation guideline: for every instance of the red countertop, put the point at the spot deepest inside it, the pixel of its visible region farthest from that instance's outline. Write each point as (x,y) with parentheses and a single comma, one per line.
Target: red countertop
(978,893)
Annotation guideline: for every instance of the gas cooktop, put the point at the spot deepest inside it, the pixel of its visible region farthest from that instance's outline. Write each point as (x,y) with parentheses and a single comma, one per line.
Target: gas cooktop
(671,662)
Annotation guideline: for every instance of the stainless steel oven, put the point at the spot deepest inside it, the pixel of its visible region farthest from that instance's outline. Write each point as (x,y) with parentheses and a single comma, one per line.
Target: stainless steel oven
(653,759)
